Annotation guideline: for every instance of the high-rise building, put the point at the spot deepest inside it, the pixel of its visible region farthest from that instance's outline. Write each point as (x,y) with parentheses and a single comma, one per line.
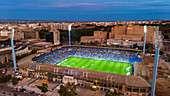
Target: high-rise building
(54,37)
(99,36)
(132,32)
(19,35)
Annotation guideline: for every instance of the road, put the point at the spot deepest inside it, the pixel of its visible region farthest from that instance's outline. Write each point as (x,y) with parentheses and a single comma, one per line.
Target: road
(9,90)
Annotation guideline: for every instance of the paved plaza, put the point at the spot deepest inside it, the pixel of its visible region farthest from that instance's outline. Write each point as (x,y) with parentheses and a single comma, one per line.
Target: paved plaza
(51,85)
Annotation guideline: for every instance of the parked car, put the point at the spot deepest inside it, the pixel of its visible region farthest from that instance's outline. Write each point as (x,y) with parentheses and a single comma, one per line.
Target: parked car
(40,94)
(32,92)
(22,90)
(17,88)
(27,91)
(4,72)
(19,77)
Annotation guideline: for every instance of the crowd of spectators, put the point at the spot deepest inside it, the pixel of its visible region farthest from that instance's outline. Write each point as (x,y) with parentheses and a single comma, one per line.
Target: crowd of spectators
(57,55)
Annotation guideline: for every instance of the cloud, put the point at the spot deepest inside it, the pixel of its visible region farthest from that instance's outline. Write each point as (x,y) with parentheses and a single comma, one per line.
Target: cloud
(62,5)
(94,6)
(88,4)
(152,2)
(146,8)
(119,3)
(91,4)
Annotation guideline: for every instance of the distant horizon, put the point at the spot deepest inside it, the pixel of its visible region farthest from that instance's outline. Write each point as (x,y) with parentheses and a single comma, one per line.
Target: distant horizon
(77,21)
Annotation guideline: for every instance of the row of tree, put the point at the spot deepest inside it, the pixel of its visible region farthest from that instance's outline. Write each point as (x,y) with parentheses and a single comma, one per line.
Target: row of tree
(70,90)
(7,78)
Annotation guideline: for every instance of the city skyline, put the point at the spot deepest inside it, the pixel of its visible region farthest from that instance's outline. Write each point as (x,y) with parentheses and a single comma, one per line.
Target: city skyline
(85,10)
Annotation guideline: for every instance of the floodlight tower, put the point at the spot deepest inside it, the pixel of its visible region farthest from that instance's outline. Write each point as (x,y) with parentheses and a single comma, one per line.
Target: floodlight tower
(145,30)
(69,31)
(13,51)
(157,46)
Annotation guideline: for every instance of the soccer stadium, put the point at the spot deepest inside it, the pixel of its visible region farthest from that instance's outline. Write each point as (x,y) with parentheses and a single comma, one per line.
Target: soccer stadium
(99,68)
(98,59)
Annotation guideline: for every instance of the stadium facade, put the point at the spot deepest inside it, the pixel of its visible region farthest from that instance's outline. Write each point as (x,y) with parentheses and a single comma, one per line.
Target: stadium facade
(45,67)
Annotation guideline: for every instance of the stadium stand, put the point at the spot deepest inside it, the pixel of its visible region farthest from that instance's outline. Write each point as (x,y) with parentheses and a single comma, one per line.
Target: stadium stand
(57,55)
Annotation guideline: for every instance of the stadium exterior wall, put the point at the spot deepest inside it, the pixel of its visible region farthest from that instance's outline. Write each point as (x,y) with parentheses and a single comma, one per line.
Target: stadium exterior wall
(88,78)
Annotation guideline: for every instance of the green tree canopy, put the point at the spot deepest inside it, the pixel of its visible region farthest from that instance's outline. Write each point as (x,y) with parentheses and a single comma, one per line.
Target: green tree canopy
(5,78)
(68,90)
(115,93)
(43,88)
(14,81)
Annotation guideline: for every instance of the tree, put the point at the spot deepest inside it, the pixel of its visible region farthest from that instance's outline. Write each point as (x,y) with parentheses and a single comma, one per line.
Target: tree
(95,42)
(135,45)
(68,90)
(168,55)
(161,53)
(115,93)
(91,43)
(5,78)
(81,43)
(43,88)
(14,81)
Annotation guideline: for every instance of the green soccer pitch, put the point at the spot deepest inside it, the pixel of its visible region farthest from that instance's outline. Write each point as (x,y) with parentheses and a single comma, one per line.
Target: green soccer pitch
(98,65)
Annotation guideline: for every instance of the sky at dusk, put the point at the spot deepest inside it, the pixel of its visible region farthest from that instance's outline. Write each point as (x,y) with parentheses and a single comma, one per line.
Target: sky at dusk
(85,10)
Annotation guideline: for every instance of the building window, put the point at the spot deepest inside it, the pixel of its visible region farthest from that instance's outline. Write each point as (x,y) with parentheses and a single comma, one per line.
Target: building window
(95,83)
(105,85)
(113,86)
(120,87)
(129,89)
(100,84)
(57,35)
(109,85)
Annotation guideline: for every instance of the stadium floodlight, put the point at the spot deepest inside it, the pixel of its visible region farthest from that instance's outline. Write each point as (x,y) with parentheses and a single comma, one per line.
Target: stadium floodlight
(13,51)
(145,31)
(157,46)
(145,28)
(69,30)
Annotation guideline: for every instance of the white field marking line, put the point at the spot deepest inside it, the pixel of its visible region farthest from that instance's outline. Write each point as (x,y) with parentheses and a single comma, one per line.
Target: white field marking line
(111,65)
(96,62)
(81,64)
(102,65)
(69,61)
(89,63)
(116,66)
(123,67)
